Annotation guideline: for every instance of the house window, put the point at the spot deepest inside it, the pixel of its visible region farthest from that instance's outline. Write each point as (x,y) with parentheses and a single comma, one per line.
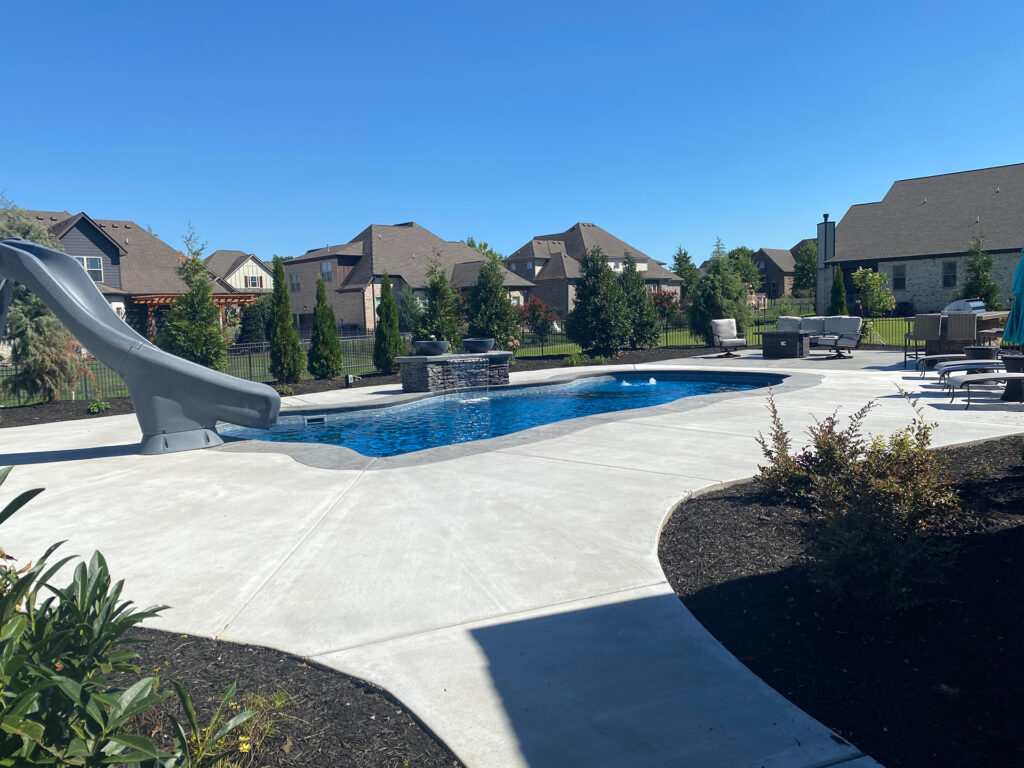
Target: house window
(615,266)
(293,282)
(948,274)
(93,265)
(775,288)
(327,271)
(512,266)
(254,281)
(899,276)
(529,267)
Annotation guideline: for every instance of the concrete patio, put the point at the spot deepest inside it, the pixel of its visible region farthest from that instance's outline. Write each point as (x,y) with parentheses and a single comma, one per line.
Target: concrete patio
(507,591)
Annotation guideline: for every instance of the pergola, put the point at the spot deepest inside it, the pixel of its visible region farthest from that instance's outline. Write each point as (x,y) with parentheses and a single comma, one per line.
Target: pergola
(157,301)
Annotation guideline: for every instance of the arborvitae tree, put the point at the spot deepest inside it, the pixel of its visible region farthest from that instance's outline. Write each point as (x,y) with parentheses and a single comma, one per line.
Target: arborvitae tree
(324,347)
(643,327)
(45,354)
(387,339)
(287,360)
(441,317)
(598,321)
(410,311)
(491,314)
(686,270)
(837,304)
(805,276)
(192,328)
(980,284)
(255,321)
(721,293)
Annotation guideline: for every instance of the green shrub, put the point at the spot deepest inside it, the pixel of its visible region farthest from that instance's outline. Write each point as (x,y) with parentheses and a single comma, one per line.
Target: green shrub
(879,508)
(61,649)
(576,358)
(387,338)
(98,405)
(598,321)
(287,360)
(490,313)
(324,360)
(284,390)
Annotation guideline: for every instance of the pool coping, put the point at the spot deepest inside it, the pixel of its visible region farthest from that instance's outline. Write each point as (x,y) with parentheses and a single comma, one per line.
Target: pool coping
(324,456)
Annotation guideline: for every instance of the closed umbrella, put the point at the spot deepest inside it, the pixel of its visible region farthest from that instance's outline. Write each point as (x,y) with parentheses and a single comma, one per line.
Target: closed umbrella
(1014,333)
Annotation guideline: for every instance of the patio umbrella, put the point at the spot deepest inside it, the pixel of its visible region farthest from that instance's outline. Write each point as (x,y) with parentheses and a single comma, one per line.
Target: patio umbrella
(1014,333)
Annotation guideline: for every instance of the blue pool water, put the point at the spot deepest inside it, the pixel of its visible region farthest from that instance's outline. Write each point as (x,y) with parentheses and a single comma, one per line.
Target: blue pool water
(476,415)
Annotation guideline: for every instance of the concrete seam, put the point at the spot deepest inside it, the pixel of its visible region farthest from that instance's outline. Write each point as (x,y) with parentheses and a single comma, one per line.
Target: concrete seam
(291,552)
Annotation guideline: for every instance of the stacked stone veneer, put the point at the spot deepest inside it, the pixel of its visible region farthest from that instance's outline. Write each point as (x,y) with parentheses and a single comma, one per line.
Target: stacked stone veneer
(437,373)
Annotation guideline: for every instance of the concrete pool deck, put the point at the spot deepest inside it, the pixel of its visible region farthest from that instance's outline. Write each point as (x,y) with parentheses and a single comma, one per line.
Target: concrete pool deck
(510,596)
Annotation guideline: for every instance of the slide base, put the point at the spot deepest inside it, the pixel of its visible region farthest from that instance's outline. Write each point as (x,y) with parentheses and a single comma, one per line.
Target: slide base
(172,442)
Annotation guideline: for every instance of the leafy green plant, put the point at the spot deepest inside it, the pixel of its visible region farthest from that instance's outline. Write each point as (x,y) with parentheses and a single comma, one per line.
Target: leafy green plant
(576,358)
(98,404)
(872,295)
(284,390)
(879,508)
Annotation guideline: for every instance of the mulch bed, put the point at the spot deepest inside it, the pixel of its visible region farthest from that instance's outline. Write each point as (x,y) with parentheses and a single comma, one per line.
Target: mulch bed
(939,685)
(66,410)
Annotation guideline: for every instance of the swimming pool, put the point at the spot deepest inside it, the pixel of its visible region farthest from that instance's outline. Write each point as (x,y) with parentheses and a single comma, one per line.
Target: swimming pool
(479,414)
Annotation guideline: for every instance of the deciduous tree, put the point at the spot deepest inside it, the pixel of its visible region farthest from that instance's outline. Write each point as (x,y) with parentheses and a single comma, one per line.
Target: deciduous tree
(538,317)
(979,284)
(872,295)
(805,276)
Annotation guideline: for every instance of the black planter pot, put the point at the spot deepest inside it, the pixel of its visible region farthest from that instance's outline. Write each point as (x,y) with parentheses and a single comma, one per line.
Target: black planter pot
(476,346)
(431,347)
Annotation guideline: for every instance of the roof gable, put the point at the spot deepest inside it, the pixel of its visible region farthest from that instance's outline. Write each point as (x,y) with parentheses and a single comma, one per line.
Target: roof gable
(224,263)
(82,220)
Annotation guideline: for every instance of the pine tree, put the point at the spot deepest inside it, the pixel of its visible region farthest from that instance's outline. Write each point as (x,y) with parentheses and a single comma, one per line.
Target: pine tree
(598,321)
(440,319)
(644,330)
(491,314)
(255,321)
(324,347)
(721,293)
(287,360)
(410,311)
(979,284)
(683,266)
(837,304)
(192,328)
(387,339)
(45,354)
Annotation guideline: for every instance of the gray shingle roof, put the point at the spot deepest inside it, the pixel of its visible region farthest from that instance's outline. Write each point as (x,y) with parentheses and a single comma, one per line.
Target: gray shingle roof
(222,263)
(784,260)
(935,215)
(465,274)
(559,267)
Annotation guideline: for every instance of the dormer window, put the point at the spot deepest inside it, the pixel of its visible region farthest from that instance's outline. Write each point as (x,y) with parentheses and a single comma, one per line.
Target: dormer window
(93,265)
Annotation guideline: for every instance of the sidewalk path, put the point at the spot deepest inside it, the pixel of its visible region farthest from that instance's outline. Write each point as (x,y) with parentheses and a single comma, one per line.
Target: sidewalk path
(508,593)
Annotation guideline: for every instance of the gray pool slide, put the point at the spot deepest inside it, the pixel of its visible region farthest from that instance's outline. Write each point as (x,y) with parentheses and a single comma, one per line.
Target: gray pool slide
(177,402)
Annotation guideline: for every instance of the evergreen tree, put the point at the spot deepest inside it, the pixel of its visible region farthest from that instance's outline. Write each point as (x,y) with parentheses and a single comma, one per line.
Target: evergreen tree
(287,360)
(387,339)
(742,259)
(682,266)
(721,293)
(805,276)
(440,319)
(410,311)
(324,347)
(45,354)
(192,328)
(837,303)
(598,321)
(491,314)
(255,322)
(14,222)
(980,284)
(642,321)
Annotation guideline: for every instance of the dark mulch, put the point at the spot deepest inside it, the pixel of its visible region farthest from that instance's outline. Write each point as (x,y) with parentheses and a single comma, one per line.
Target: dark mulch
(330,719)
(940,685)
(66,410)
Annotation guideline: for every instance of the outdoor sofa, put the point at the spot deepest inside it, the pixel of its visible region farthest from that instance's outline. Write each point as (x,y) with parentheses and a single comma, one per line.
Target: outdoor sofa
(838,333)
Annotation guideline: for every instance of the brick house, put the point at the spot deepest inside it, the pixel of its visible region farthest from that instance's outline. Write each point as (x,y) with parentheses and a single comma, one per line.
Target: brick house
(919,234)
(352,272)
(552,263)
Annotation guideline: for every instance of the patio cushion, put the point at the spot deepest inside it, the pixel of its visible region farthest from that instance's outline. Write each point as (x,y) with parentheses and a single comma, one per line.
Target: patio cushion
(788,323)
(813,325)
(732,343)
(842,324)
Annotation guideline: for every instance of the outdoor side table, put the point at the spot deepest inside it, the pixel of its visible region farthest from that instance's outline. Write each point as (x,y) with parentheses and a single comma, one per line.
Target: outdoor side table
(776,344)
(1014,389)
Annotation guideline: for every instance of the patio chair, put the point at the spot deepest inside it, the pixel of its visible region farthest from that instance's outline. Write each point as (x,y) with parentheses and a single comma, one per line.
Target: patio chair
(841,332)
(926,328)
(725,336)
(962,326)
(965,382)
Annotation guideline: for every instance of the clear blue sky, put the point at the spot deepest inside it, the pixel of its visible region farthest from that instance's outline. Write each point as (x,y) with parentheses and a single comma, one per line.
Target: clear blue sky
(280,127)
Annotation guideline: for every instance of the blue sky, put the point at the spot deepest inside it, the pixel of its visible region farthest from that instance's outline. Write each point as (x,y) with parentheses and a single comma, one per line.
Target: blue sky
(276,128)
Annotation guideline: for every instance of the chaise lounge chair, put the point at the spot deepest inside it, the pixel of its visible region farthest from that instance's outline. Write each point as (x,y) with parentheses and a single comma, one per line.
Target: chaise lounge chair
(977,379)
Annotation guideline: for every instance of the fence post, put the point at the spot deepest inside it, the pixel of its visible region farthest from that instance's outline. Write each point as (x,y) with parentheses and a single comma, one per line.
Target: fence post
(249,355)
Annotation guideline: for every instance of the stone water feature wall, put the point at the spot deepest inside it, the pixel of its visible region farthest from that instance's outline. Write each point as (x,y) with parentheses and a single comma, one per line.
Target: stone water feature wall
(437,373)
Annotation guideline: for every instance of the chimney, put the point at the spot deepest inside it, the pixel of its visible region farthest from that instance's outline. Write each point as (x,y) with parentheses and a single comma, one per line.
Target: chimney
(826,250)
